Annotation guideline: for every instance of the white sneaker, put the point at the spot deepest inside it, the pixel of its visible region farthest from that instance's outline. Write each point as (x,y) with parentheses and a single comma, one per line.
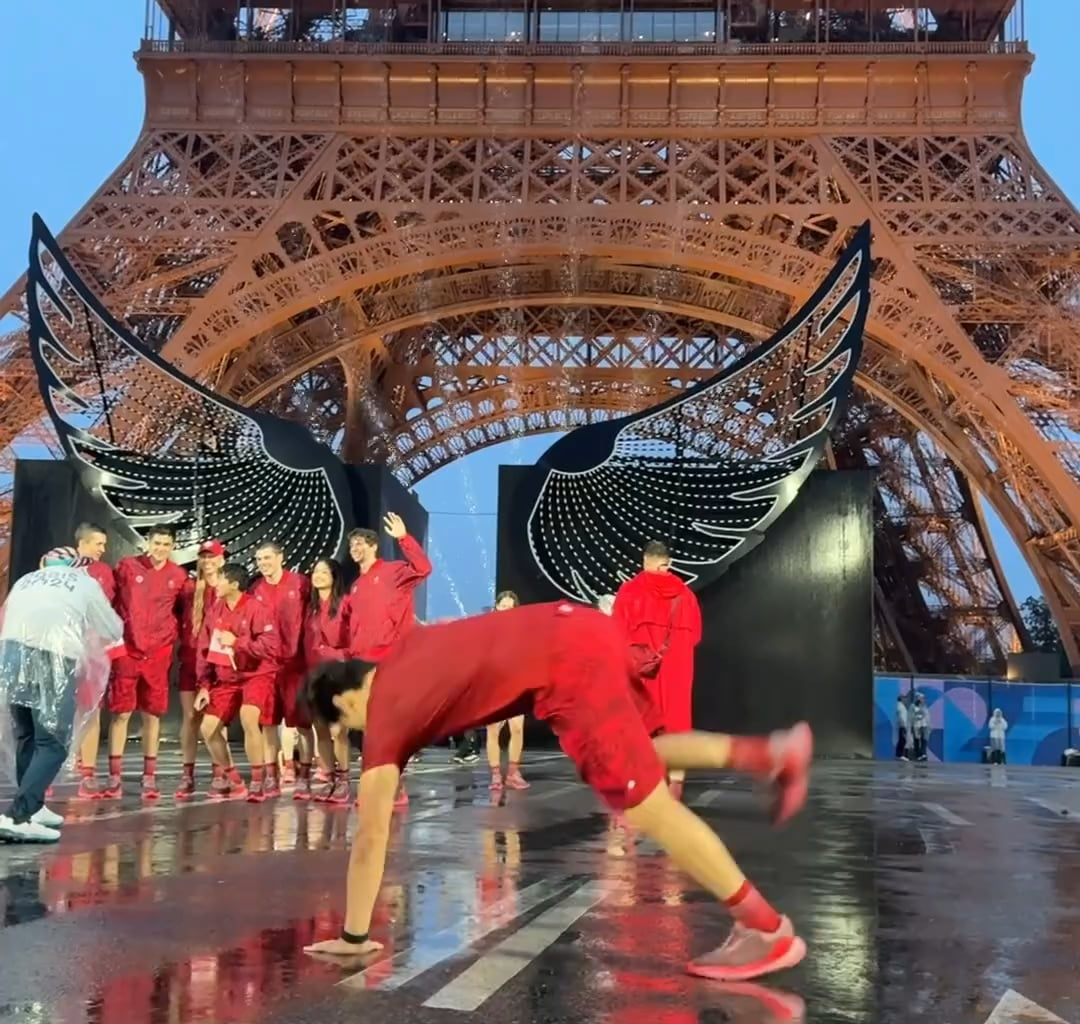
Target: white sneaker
(27,832)
(50,819)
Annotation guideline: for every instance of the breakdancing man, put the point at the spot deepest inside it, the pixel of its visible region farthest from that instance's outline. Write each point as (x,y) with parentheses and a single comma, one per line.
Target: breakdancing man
(568,665)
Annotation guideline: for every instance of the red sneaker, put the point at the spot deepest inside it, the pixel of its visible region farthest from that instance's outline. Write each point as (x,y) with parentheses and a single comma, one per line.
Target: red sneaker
(749,954)
(302,790)
(256,793)
(271,788)
(341,794)
(88,788)
(288,775)
(186,789)
(114,790)
(220,789)
(402,798)
(238,791)
(150,789)
(793,752)
(496,779)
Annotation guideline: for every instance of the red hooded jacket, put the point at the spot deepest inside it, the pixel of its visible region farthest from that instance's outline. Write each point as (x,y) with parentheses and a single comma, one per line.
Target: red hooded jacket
(258,642)
(286,601)
(326,637)
(381,609)
(148,600)
(645,608)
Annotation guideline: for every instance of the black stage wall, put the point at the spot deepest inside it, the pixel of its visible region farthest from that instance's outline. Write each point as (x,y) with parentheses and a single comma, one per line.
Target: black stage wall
(787,630)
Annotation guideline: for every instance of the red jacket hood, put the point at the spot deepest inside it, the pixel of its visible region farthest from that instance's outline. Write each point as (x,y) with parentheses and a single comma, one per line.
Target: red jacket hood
(665,585)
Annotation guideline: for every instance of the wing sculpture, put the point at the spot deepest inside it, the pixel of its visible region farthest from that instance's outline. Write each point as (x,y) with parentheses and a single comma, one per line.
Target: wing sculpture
(158,447)
(710,470)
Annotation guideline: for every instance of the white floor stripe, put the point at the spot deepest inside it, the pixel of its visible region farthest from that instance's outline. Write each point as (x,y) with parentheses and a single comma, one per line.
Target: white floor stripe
(945,814)
(710,796)
(449,942)
(474,986)
(1059,809)
(935,843)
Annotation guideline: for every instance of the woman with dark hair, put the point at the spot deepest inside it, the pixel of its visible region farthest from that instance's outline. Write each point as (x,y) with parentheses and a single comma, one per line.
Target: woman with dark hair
(514,780)
(326,638)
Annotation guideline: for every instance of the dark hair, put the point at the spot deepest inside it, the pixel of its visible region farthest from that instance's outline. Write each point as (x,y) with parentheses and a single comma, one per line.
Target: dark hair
(270,545)
(656,549)
(330,680)
(236,573)
(367,536)
(84,531)
(160,530)
(337,586)
(507,595)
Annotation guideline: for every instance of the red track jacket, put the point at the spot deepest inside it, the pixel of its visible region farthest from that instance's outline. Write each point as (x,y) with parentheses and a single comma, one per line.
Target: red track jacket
(148,600)
(258,642)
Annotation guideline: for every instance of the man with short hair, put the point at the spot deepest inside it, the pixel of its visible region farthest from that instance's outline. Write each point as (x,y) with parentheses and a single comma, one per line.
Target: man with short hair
(381,608)
(285,595)
(91,540)
(238,662)
(148,591)
(568,664)
(58,634)
(662,621)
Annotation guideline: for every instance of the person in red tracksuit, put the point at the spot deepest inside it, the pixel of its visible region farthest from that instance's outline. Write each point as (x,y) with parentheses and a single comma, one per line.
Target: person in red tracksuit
(237,663)
(326,634)
(381,609)
(91,542)
(148,589)
(196,601)
(285,593)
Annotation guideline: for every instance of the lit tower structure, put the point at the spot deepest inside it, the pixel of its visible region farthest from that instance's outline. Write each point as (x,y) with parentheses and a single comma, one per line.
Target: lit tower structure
(425,228)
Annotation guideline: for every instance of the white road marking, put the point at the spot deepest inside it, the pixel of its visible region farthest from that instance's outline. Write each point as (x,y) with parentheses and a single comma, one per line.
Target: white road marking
(411,963)
(1013,1008)
(1059,809)
(474,986)
(945,814)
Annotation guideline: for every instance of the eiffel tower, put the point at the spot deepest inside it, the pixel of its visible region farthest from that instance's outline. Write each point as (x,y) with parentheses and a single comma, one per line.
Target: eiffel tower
(426,228)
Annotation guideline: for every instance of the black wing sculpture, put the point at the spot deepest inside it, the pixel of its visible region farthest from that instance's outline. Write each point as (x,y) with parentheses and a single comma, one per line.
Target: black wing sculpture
(708,471)
(160,448)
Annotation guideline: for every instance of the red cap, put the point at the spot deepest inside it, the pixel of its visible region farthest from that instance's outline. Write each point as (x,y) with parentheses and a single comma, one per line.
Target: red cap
(212,547)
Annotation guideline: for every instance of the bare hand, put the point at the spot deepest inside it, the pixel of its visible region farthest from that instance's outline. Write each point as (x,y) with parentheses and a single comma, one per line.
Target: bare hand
(341,948)
(202,699)
(226,639)
(394,525)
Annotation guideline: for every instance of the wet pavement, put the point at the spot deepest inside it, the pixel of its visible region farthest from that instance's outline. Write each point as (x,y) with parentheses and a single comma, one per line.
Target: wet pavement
(944,893)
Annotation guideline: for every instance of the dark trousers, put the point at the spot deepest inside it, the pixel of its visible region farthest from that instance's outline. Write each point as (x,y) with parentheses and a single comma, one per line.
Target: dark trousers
(919,744)
(39,756)
(901,741)
(467,744)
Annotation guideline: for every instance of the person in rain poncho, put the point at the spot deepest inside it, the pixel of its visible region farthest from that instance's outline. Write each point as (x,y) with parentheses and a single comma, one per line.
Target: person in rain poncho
(901,728)
(920,727)
(58,635)
(998,727)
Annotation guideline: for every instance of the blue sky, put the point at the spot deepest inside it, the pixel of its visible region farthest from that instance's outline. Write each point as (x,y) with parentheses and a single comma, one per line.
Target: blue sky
(75,105)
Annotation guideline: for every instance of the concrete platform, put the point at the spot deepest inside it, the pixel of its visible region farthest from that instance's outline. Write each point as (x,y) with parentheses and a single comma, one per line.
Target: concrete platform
(925,893)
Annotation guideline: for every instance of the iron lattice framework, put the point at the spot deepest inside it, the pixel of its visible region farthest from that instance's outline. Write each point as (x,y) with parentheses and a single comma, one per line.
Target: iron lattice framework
(423,255)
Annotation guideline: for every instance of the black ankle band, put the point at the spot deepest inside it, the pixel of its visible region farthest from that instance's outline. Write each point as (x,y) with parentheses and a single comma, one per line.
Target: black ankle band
(352,938)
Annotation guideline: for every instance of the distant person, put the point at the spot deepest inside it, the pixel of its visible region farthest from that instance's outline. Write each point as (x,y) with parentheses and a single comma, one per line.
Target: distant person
(58,636)
(514,779)
(920,728)
(662,621)
(998,727)
(902,728)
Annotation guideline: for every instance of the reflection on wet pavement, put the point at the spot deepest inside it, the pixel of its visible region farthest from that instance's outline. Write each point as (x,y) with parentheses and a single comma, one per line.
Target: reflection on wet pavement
(923,893)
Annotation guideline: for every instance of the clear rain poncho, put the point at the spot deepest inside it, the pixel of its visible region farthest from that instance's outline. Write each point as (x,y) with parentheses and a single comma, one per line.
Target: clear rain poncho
(58,634)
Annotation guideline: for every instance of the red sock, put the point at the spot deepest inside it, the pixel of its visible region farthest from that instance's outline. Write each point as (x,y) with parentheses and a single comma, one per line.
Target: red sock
(234,776)
(115,763)
(303,770)
(751,754)
(272,771)
(256,774)
(750,908)
(86,771)
(149,766)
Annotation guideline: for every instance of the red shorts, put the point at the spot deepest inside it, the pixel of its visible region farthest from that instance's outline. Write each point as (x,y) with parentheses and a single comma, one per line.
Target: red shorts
(226,699)
(289,683)
(591,708)
(188,681)
(141,684)
(272,706)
